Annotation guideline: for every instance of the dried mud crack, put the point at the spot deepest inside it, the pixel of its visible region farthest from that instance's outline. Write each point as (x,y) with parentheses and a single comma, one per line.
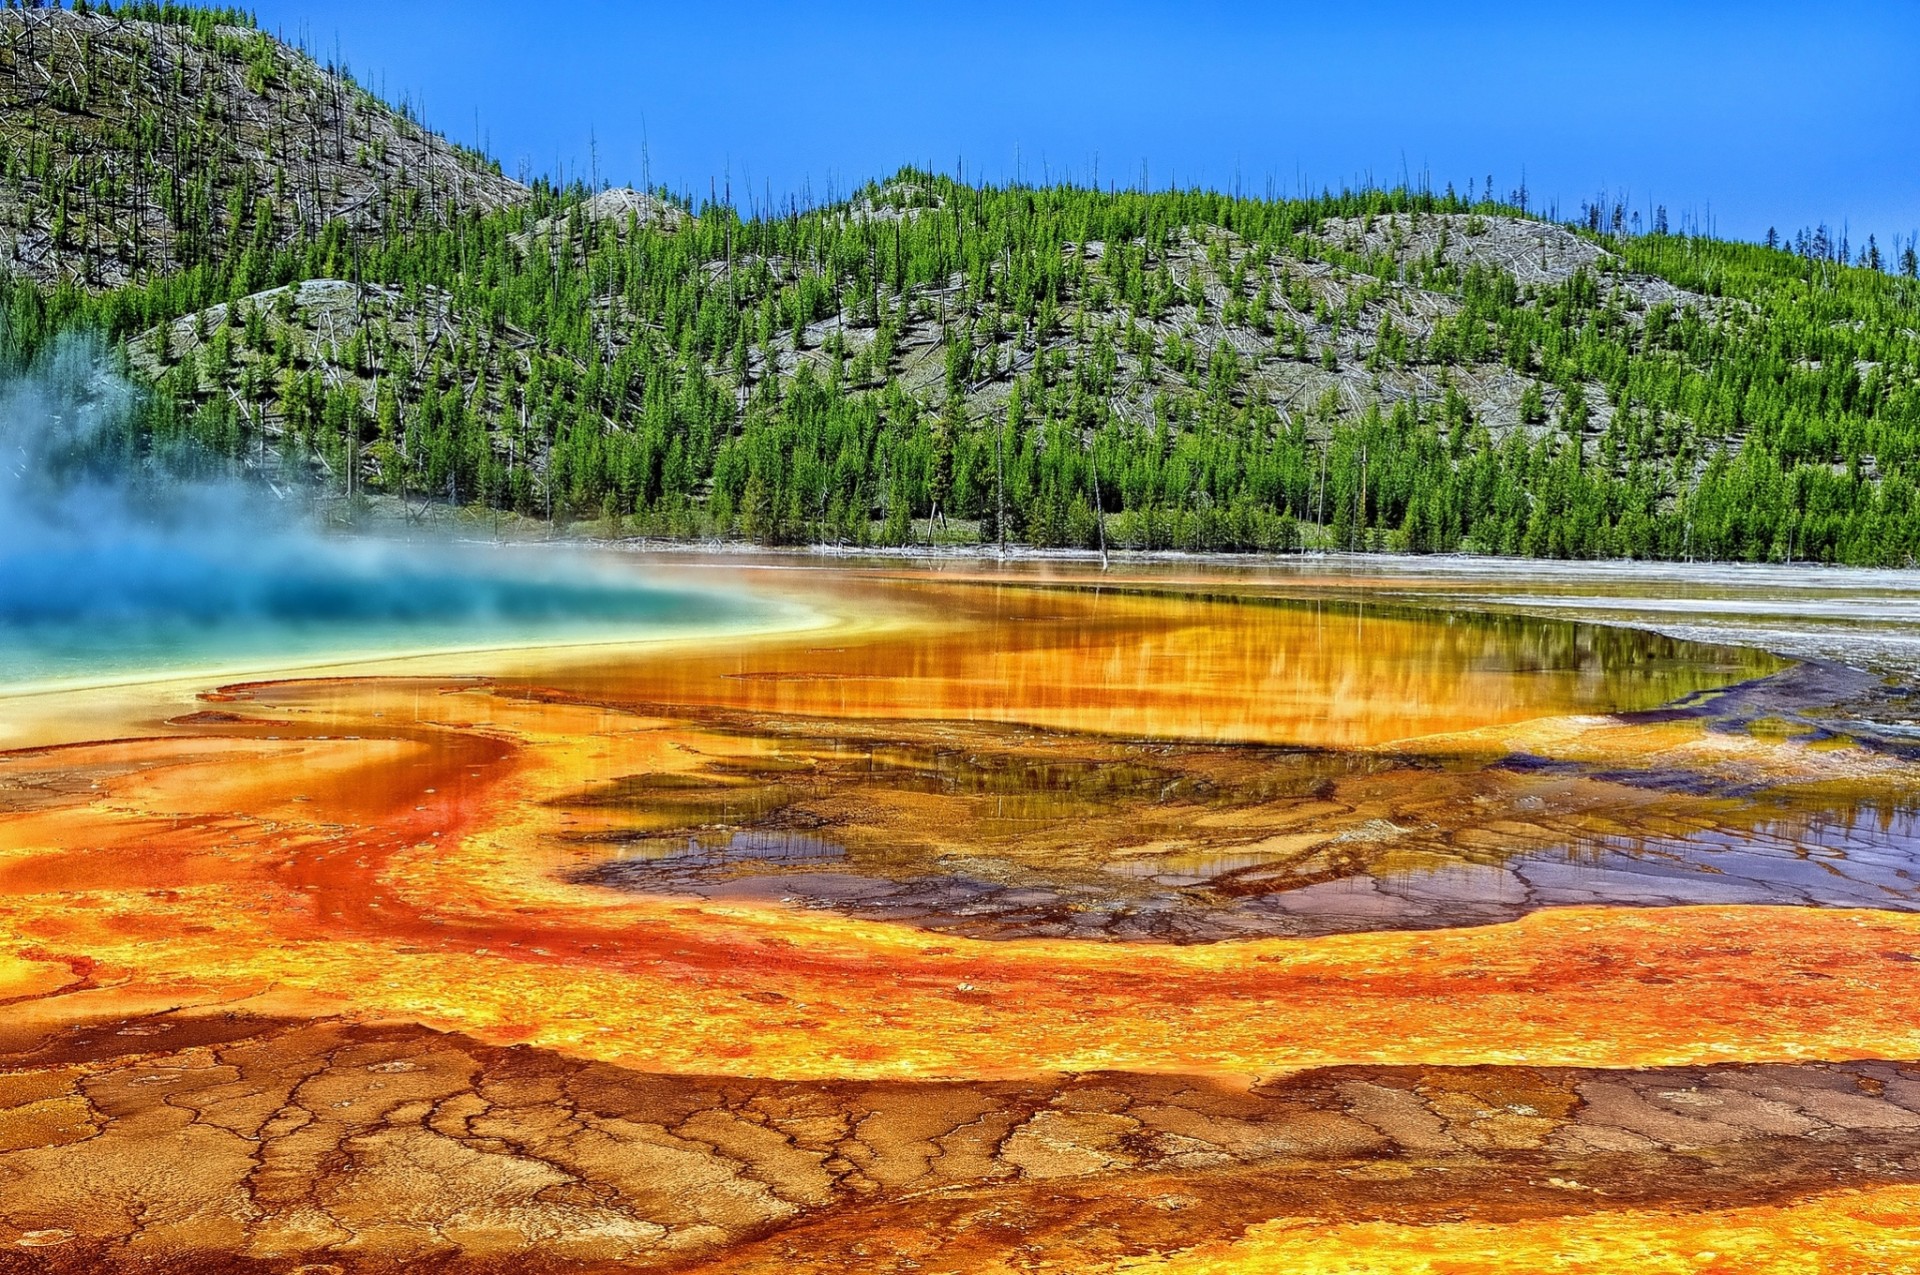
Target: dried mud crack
(212,1143)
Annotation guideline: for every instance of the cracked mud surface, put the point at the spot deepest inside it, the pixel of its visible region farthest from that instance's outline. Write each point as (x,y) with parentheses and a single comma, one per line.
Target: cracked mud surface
(316,1142)
(1316,930)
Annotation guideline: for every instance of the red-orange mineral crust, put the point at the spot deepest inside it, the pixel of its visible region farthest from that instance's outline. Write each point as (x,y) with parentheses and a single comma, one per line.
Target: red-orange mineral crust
(1004,929)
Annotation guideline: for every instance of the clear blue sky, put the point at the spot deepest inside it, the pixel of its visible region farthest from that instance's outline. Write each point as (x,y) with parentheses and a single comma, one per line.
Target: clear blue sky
(1767,114)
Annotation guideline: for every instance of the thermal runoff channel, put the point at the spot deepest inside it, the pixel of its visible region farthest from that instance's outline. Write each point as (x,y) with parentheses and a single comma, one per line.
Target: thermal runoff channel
(1019,916)
(122,555)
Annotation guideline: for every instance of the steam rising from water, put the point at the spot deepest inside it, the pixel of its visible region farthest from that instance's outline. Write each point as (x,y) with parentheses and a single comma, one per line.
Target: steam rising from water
(115,558)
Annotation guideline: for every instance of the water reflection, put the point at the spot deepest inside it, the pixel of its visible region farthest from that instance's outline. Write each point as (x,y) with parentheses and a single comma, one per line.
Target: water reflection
(1180,667)
(1334,875)
(1142,764)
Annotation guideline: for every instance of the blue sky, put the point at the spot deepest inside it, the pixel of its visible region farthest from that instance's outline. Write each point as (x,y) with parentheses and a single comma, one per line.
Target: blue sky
(1756,114)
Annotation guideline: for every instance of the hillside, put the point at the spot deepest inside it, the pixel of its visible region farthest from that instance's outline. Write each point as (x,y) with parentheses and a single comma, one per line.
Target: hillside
(926,359)
(133,148)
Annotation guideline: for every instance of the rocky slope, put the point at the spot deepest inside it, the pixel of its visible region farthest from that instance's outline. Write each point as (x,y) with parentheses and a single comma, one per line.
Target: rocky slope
(133,148)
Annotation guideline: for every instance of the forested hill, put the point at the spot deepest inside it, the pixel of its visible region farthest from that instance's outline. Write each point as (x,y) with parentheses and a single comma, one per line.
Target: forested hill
(160,138)
(931,360)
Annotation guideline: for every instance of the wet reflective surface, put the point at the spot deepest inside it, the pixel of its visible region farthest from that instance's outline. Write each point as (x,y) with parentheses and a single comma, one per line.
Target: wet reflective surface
(1214,844)
(1004,921)
(1169,662)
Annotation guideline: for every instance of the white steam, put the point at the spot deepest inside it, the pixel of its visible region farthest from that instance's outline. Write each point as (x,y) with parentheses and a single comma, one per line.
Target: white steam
(109,545)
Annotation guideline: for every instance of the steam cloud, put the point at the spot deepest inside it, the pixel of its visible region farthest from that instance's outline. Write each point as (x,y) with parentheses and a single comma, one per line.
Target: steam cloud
(107,546)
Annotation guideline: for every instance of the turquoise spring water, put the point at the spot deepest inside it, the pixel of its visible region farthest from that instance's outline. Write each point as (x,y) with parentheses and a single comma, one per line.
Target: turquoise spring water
(66,620)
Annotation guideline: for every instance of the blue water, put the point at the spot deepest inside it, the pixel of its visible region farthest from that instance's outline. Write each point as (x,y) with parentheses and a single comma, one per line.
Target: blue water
(65,621)
(124,554)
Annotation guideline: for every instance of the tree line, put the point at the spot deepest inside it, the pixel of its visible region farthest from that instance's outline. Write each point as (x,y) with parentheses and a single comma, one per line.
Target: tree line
(1049,365)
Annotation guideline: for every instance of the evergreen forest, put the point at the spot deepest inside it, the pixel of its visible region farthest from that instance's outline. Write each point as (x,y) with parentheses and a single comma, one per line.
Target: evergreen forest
(304,277)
